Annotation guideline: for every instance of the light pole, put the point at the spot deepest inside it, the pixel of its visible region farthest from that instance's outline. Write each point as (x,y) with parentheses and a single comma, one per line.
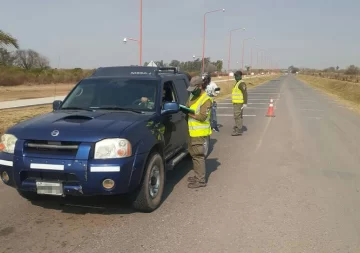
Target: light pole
(138,40)
(242,58)
(230,46)
(203,53)
(257,60)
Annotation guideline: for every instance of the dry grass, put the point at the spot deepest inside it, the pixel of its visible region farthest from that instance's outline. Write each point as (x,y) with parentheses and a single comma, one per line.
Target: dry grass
(10,117)
(226,87)
(13,76)
(34,91)
(347,92)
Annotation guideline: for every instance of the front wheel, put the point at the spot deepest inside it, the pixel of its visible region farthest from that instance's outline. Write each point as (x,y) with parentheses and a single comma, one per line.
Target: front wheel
(149,196)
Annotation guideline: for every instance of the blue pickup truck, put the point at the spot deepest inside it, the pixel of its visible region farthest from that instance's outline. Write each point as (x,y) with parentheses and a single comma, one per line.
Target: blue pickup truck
(117,132)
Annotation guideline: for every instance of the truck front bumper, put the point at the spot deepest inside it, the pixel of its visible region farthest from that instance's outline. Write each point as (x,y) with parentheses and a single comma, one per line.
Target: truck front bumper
(76,177)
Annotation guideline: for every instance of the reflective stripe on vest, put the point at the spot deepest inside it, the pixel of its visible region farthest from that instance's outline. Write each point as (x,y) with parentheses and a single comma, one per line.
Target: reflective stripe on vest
(198,128)
(237,95)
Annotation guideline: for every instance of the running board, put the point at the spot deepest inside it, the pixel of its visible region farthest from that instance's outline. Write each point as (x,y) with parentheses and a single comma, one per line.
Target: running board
(173,162)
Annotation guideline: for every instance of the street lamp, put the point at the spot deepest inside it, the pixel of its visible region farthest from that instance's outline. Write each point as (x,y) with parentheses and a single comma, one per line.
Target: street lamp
(140,40)
(251,61)
(230,45)
(132,39)
(203,59)
(242,58)
(257,58)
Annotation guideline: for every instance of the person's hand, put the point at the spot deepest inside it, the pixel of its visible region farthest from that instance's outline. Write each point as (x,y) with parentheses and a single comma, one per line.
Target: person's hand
(244,105)
(192,116)
(144,99)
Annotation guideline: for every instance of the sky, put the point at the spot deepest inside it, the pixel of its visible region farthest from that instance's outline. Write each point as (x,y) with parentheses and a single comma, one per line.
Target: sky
(89,33)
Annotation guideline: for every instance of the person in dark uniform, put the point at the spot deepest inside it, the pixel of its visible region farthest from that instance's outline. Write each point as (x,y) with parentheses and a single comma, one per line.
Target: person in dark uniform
(239,98)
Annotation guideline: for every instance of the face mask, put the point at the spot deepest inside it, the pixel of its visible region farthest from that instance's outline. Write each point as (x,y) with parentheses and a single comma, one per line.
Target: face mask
(196,92)
(237,78)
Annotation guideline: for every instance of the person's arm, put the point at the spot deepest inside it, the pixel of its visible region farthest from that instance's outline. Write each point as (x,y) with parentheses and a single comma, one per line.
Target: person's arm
(204,111)
(213,90)
(243,88)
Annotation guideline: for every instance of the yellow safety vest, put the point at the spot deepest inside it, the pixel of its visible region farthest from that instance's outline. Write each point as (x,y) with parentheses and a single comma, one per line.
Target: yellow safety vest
(237,95)
(198,128)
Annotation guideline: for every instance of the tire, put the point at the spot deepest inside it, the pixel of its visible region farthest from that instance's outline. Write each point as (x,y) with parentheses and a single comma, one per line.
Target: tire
(207,146)
(31,196)
(154,175)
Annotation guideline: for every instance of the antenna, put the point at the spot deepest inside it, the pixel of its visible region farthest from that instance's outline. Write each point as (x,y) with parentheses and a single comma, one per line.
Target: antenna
(55,82)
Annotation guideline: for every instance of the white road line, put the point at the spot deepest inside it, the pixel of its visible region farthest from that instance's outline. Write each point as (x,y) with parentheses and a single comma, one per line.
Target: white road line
(317,118)
(262,99)
(225,107)
(261,93)
(247,103)
(317,110)
(232,115)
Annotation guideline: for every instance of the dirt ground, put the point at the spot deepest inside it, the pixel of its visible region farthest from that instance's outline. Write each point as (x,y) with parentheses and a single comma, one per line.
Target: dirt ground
(34,91)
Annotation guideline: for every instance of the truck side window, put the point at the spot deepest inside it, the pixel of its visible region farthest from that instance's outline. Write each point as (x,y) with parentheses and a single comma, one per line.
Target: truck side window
(182,91)
(169,94)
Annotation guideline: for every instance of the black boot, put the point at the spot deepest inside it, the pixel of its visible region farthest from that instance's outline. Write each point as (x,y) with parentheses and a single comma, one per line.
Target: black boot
(236,132)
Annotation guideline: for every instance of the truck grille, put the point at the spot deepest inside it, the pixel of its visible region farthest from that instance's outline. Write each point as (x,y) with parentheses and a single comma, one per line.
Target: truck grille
(63,148)
(60,176)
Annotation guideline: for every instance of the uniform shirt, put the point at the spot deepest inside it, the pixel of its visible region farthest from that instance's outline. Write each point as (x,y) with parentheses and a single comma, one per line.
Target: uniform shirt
(242,87)
(210,89)
(204,111)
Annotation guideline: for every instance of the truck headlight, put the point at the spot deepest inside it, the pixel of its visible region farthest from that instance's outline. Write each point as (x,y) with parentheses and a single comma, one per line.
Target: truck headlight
(112,148)
(7,143)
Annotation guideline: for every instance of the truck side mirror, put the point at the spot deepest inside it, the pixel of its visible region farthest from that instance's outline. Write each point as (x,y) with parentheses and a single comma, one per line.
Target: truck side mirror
(170,108)
(56,104)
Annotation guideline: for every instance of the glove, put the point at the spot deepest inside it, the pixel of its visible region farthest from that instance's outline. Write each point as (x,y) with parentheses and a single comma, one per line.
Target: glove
(244,105)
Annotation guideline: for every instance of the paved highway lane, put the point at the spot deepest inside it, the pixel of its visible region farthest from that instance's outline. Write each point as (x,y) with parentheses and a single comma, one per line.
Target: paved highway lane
(289,184)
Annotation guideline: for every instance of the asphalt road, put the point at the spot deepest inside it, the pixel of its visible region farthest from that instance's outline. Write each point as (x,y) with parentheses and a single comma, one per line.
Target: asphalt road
(289,184)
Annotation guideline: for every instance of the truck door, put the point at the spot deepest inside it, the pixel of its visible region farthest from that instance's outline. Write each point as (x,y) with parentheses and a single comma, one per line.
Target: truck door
(182,95)
(171,122)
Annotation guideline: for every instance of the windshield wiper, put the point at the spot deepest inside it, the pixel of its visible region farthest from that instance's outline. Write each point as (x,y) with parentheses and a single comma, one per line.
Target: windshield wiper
(76,108)
(116,108)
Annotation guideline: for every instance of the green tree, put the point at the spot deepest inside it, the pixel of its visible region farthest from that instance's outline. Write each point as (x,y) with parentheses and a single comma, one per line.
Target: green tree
(6,58)
(6,39)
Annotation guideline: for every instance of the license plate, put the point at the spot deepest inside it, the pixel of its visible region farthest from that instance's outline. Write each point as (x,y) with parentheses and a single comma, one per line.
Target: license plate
(49,188)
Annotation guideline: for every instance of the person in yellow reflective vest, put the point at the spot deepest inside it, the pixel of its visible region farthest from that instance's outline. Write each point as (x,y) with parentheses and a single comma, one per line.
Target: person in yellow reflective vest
(239,99)
(199,129)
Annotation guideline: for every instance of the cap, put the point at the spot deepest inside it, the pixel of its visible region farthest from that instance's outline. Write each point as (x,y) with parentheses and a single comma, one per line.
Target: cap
(196,81)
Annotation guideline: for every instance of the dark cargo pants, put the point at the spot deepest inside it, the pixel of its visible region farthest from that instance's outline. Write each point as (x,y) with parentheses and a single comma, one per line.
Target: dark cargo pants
(213,117)
(238,117)
(196,150)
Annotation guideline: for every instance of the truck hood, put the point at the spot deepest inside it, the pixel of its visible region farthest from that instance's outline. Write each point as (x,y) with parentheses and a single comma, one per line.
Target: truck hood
(81,126)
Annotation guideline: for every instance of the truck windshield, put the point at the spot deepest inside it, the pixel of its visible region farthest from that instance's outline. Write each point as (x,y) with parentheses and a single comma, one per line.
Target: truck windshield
(113,94)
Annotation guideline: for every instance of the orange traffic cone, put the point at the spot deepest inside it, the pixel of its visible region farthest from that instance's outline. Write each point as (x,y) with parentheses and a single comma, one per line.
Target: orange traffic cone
(270,112)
